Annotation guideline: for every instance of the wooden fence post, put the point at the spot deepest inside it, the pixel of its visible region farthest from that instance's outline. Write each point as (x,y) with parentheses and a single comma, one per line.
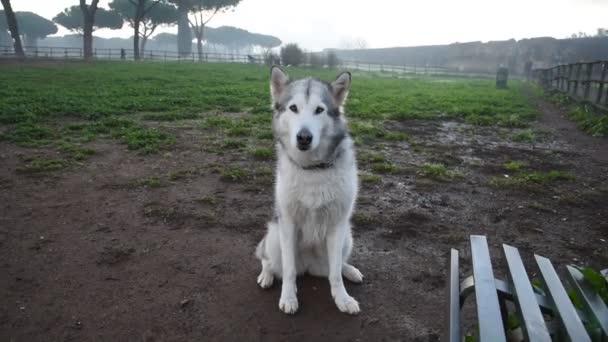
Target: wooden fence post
(578,75)
(588,81)
(602,81)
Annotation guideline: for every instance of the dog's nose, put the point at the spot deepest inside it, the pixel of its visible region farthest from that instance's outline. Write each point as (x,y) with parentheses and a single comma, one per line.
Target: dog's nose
(304,139)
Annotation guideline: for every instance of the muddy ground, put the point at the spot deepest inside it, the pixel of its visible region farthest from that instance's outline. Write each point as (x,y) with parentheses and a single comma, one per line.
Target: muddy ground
(93,253)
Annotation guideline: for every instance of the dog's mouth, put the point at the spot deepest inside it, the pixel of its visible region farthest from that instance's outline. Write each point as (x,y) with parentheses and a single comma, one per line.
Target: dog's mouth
(303,147)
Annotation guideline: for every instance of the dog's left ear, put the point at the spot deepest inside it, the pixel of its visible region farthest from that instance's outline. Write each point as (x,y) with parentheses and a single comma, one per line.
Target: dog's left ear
(340,87)
(278,80)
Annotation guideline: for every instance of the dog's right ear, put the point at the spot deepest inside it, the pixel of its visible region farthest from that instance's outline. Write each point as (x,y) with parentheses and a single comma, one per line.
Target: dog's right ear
(278,81)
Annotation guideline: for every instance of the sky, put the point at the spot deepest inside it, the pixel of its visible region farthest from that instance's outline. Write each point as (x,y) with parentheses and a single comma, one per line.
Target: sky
(318,24)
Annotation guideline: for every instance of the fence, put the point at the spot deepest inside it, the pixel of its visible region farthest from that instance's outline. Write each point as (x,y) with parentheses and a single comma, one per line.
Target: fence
(166,56)
(581,81)
(127,54)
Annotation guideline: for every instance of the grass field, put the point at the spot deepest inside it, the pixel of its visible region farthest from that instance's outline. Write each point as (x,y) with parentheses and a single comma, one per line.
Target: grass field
(111,99)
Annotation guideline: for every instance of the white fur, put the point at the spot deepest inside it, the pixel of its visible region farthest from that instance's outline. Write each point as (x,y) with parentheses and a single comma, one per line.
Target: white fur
(313,233)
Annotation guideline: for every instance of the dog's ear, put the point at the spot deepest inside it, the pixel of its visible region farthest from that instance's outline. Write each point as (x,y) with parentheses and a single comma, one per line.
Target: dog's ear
(278,81)
(340,87)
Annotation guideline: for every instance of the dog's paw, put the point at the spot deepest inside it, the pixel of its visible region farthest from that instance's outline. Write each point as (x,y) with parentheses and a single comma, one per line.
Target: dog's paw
(265,279)
(351,273)
(289,304)
(347,304)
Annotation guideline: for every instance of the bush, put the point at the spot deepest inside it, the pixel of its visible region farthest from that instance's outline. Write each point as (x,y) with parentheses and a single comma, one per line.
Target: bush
(291,54)
(332,60)
(271,59)
(315,60)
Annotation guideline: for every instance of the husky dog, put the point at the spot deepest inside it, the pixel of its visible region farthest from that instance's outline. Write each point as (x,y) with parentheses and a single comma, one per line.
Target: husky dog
(315,192)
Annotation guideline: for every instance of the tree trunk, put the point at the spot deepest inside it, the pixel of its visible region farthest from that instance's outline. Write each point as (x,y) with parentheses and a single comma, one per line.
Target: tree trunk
(136,38)
(87,37)
(184,36)
(12,26)
(199,46)
(142,46)
(88,14)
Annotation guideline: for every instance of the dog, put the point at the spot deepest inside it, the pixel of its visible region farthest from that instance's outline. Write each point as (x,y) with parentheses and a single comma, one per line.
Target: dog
(315,190)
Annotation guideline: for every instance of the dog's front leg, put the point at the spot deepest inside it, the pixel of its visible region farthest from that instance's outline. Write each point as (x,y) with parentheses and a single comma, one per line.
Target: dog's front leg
(288,302)
(335,242)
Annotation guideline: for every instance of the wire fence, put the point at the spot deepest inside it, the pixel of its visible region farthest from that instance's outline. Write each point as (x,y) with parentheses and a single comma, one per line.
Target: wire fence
(74,53)
(581,81)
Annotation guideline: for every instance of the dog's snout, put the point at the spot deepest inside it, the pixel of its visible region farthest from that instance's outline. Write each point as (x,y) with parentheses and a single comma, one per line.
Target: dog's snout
(304,139)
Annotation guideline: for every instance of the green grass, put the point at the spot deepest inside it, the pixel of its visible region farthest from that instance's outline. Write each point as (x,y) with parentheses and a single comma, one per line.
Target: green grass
(234,174)
(396,136)
(151,182)
(526,136)
(169,116)
(527,179)
(513,165)
(370,178)
(263,153)
(588,121)
(384,167)
(42,105)
(40,165)
(438,172)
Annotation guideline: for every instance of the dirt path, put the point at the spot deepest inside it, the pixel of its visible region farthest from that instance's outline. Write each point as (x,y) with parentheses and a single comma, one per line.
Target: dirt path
(92,254)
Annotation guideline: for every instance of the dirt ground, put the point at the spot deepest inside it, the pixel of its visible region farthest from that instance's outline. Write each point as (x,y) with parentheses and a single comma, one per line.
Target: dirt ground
(91,254)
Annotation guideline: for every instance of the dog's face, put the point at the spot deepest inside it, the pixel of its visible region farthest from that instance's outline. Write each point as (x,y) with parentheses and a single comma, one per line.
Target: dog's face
(308,118)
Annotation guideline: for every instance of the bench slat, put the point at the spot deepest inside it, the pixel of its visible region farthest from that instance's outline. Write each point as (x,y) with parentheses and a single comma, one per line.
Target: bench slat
(594,305)
(565,310)
(454,298)
(491,327)
(533,323)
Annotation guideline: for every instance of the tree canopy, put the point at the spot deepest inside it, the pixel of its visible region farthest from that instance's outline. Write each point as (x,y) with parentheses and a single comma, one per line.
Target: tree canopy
(72,19)
(237,38)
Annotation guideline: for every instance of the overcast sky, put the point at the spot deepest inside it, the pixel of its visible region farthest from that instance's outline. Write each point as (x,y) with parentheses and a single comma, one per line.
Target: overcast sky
(317,24)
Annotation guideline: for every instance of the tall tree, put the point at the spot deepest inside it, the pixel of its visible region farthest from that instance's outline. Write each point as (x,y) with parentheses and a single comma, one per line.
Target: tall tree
(85,19)
(34,27)
(147,13)
(202,12)
(184,34)
(13,27)
(163,14)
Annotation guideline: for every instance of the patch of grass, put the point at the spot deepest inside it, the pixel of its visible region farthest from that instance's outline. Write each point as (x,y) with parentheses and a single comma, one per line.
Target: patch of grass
(29,134)
(384,167)
(362,219)
(372,157)
(438,172)
(151,182)
(366,129)
(370,178)
(590,122)
(265,135)
(263,153)
(233,144)
(234,174)
(170,116)
(148,140)
(396,136)
(524,179)
(525,136)
(238,131)
(39,165)
(513,165)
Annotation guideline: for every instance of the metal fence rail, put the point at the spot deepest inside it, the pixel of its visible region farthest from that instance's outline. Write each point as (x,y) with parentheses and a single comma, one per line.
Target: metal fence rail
(127,54)
(581,81)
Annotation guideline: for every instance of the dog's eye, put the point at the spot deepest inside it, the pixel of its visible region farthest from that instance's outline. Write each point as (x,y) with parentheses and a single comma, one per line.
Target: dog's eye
(319,110)
(293,108)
